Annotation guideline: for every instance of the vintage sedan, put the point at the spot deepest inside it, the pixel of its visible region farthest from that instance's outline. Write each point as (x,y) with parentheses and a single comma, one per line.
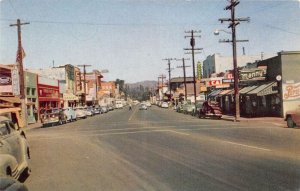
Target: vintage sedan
(70,114)
(14,150)
(54,116)
(292,117)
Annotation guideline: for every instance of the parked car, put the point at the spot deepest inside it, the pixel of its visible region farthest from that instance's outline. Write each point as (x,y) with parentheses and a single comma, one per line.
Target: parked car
(54,116)
(80,113)
(210,109)
(188,108)
(90,111)
(292,117)
(164,105)
(14,150)
(96,110)
(104,109)
(70,114)
(199,106)
(143,107)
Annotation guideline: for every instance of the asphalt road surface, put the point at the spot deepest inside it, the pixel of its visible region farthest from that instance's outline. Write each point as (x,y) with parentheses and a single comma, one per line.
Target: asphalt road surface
(160,149)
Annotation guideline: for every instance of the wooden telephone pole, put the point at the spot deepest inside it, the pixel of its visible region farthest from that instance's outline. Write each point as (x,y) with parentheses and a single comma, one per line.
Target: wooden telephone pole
(183,66)
(192,43)
(19,60)
(84,82)
(233,23)
(169,71)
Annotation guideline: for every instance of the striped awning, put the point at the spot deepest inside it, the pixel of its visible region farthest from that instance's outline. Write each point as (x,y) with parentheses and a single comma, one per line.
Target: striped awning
(264,89)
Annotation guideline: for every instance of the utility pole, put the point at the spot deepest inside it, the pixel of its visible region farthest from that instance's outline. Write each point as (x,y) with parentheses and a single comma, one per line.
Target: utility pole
(162,77)
(19,60)
(84,82)
(169,70)
(184,75)
(192,43)
(233,23)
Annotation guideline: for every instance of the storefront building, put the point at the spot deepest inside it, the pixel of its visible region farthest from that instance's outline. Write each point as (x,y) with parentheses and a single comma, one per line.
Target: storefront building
(48,93)
(31,96)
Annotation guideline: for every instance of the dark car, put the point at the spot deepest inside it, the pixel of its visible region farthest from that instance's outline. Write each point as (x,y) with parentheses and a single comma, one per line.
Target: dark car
(292,117)
(211,110)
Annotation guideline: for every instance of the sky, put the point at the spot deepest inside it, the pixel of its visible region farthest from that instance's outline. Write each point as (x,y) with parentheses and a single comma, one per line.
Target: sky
(130,38)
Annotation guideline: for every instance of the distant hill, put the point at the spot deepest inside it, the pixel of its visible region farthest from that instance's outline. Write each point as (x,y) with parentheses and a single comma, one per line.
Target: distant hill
(149,84)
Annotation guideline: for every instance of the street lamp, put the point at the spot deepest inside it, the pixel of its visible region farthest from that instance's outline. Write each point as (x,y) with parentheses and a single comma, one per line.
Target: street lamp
(217,31)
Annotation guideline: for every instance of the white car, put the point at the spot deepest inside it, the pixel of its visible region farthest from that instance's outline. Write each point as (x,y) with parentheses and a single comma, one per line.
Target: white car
(148,104)
(80,113)
(70,114)
(165,105)
(14,150)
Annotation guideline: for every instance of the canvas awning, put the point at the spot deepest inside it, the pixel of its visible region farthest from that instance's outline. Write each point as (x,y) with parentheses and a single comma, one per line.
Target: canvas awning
(264,89)
(247,89)
(214,93)
(224,92)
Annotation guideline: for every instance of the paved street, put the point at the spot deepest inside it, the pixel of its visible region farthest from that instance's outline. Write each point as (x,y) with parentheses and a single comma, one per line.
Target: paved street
(160,149)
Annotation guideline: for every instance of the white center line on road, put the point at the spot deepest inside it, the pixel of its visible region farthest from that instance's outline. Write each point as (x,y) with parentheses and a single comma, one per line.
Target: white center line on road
(253,147)
(135,109)
(181,133)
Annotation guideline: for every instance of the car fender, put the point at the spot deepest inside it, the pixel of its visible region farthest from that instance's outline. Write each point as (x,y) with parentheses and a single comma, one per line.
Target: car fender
(7,161)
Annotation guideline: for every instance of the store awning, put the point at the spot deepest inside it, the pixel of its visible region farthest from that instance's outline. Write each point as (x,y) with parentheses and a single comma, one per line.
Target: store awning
(247,89)
(224,92)
(11,99)
(214,93)
(264,89)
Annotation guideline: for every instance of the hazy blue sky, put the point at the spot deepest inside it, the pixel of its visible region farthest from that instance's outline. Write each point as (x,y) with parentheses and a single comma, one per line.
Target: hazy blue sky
(131,37)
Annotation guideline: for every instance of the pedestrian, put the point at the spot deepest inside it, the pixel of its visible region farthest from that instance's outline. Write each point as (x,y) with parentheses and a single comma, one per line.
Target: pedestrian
(254,107)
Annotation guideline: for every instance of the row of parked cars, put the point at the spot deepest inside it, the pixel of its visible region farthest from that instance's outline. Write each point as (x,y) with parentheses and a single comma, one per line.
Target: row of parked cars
(58,116)
(202,109)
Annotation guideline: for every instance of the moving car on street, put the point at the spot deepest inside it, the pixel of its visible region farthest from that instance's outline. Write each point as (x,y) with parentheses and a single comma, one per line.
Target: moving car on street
(211,110)
(143,107)
(164,105)
(14,149)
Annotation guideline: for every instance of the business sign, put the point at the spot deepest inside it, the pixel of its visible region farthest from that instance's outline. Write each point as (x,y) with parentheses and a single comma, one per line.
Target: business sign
(77,82)
(291,91)
(215,81)
(253,74)
(15,81)
(228,80)
(199,71)
(48,92)
(6,81)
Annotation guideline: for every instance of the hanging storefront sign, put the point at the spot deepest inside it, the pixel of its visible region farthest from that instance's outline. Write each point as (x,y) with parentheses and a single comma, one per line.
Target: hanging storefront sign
(15,81)
(253,74)
(215,81)
(291,91)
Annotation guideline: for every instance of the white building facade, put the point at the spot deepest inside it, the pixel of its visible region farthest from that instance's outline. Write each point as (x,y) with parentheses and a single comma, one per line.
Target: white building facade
(216,63)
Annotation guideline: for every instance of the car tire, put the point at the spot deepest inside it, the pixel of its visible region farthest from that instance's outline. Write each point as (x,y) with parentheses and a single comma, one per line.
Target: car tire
(290,122)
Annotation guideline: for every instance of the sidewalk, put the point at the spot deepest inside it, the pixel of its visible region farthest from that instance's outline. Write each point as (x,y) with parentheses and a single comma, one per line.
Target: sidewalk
(33,126)
(278,121)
